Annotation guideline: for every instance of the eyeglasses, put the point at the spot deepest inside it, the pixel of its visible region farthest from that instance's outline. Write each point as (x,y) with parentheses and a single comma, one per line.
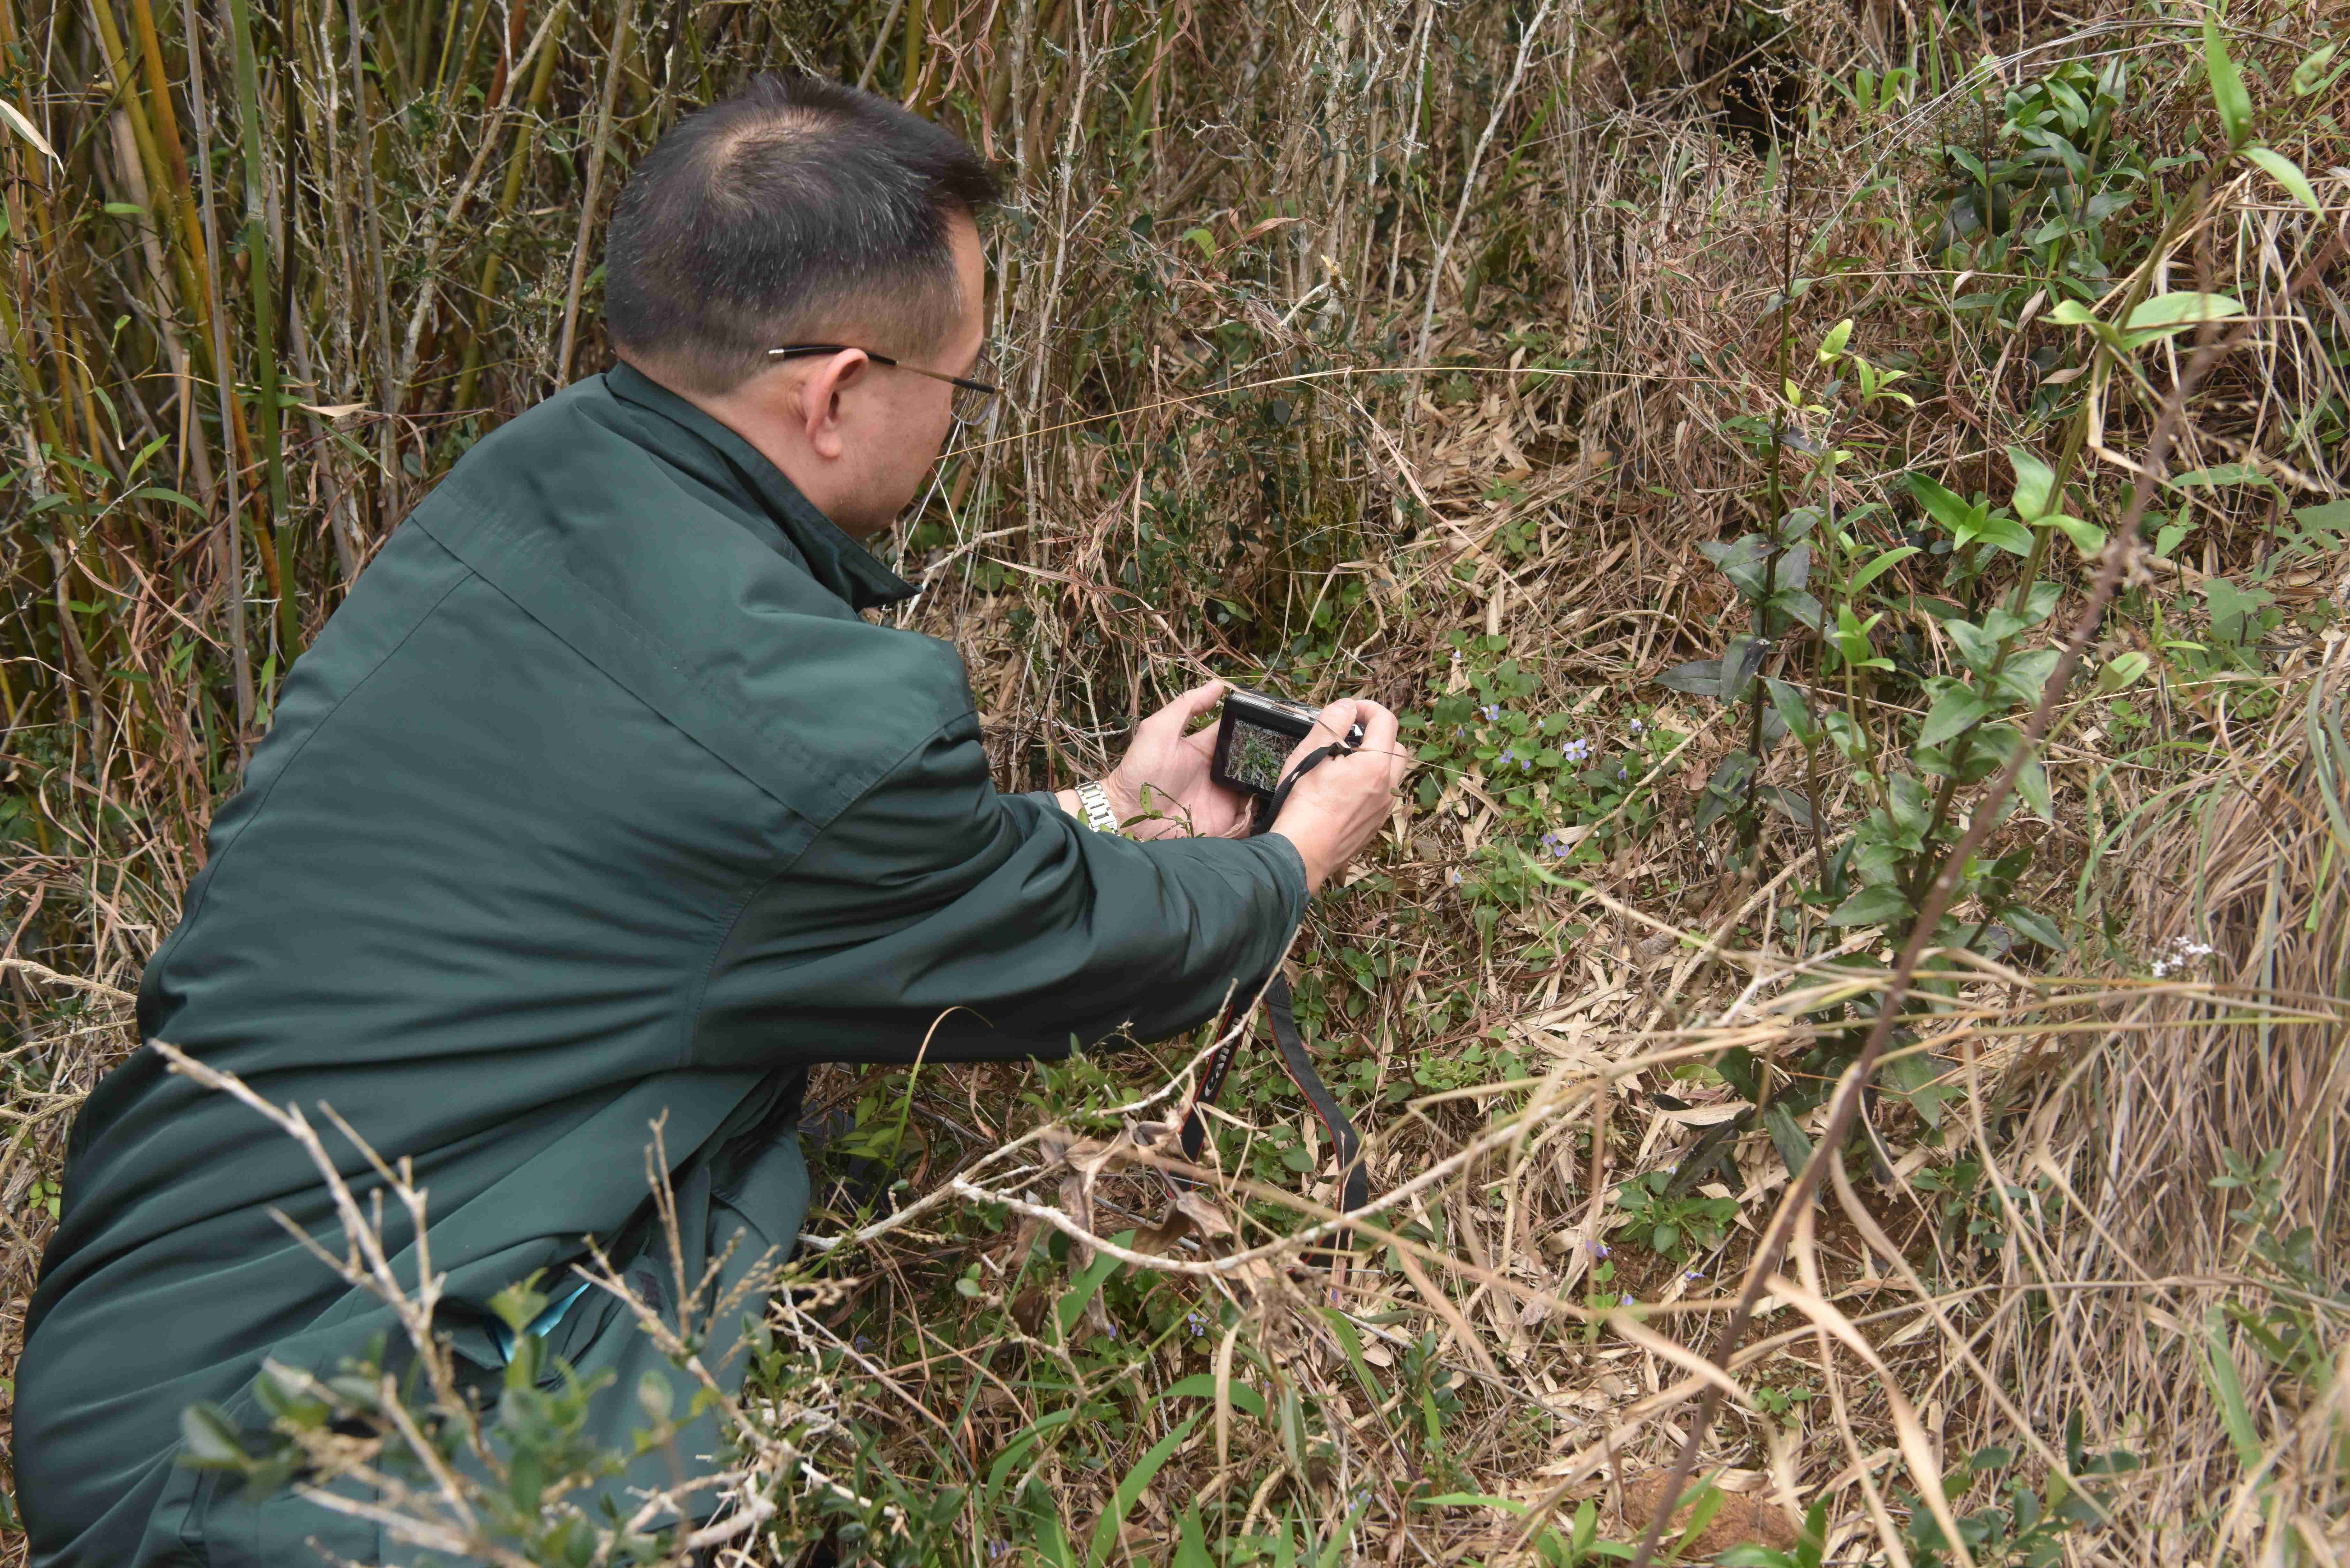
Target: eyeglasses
(972,394)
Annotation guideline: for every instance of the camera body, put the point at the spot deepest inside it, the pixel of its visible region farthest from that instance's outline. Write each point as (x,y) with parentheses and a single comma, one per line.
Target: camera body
(1255,739)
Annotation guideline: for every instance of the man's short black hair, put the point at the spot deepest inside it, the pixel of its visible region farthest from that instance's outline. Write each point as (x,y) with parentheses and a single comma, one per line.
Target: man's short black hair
(796,211)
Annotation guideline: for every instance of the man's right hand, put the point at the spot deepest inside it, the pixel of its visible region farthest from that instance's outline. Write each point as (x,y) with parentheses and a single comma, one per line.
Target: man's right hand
(1333,810)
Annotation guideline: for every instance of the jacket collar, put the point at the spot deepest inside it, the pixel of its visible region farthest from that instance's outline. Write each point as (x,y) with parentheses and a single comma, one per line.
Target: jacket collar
(839,563)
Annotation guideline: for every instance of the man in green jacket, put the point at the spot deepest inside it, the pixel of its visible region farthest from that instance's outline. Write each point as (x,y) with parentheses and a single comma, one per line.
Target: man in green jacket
(597,802)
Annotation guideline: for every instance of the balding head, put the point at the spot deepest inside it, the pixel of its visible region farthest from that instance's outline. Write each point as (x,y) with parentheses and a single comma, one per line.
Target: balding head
(796,211)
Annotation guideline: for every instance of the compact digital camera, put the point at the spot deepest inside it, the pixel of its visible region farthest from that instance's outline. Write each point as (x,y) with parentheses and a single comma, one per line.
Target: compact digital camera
(1254,738)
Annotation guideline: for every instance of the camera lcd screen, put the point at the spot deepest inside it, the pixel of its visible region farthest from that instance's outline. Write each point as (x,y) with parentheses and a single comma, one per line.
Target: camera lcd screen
(1256,755)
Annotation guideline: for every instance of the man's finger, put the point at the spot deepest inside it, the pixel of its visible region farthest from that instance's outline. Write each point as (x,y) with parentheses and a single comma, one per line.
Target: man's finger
(1178,714)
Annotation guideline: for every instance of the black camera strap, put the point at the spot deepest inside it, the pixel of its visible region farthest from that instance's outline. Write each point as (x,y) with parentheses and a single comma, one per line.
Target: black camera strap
(1354,1186)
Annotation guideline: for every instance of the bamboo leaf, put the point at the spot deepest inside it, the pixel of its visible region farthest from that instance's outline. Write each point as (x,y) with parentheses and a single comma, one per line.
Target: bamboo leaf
(30,132)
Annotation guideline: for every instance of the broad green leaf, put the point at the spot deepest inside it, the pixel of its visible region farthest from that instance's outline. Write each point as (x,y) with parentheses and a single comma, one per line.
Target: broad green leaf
(2219,1373)
(1871,906)
(2310,75)
(1976,646)
(1793,710)
(1130,1490)
(1832,343)
(1192,1542)
(2332,518)
(2032,784)
(1956,708)
(2027,673)
(2287,174)
(1700,677)
(1202,1385)
(2035,484)
(2028,923)
(1946,508)
(2228,94)
(1786,1137)
(211,1439)
(2005,534)
(2072,313)
(1882,565)
(2167,314)
(2221,473)
(2235,612)
(2087,537)
(2121,672)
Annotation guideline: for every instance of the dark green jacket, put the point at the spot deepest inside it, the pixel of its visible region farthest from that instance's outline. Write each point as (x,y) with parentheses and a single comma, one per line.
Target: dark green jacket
(597,802)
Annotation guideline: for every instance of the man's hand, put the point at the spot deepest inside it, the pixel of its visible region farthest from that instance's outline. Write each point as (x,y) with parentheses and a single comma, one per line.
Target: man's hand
(1165,776)
(1333,810)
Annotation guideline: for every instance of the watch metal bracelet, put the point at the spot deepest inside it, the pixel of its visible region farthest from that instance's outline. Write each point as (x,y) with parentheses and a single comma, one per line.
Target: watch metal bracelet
(1098,815)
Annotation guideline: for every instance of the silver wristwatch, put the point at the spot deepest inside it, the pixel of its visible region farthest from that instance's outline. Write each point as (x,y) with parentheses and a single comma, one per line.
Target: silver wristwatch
(1095,800)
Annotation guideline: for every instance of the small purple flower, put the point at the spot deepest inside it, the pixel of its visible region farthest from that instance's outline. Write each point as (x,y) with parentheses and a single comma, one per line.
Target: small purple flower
(1637,727)
(1452,878)
(1492,711)
(1623,773)
(1598,1249)
(1691,1274)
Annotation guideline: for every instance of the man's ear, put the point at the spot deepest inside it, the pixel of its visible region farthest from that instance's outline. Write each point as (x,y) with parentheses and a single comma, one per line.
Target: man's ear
(817,412)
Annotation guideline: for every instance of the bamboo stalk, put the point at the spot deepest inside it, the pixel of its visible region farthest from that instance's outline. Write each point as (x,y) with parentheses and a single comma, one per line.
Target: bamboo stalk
(518,163)
(265,324)
(587,202)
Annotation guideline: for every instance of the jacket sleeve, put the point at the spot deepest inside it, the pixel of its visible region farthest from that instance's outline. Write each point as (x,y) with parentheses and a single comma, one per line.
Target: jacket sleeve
(995,925)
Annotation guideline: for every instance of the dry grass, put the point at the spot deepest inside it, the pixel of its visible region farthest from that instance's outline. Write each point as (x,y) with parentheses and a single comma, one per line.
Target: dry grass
(1340,328)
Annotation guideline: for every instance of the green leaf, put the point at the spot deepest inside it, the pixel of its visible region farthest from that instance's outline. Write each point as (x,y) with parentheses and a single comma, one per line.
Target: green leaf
(1131,1490)
(2035,484)
(2221,473)
(2235,612)
(2219,1373)
(212,1439)
(2310,76)
(2121,672)
(2228,94)
(2087,537)
(1788,1138)
(1875,906)
(1978,646)
(1202,1385)
(1700,677)
(2028,923)
(2287,174)
(1958,708)
(1192,1542)
(2168,314)
(1946,508)
(2006,534)
(1832,343)
(2032,784)
(1793,710)
(2332,519)
(1882,565)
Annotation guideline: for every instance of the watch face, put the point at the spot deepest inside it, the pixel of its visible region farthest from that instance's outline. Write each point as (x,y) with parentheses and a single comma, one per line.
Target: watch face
(1256,755)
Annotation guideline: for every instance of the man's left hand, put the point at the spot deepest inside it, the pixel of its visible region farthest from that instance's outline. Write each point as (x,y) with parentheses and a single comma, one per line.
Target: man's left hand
(1164,778)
